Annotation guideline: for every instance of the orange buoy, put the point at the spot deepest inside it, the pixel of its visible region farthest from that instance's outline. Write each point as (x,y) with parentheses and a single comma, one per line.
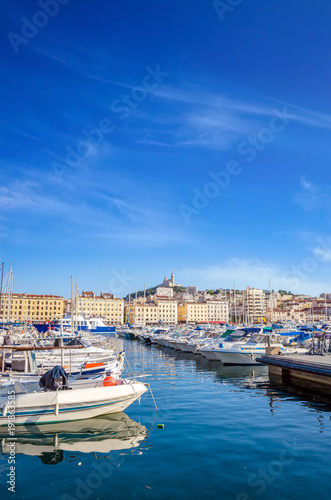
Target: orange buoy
(109,381)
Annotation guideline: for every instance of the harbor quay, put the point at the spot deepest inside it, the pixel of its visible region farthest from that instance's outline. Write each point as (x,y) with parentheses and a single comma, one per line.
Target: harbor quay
(310,371)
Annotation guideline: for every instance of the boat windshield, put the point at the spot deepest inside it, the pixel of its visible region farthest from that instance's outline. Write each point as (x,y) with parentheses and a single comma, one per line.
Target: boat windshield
(235,336)
(78,341)
(258,339)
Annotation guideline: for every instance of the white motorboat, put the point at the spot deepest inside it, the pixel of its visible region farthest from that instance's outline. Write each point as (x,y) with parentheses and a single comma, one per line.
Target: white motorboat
(246,353)
(229,338)
(79,400)
(77,357)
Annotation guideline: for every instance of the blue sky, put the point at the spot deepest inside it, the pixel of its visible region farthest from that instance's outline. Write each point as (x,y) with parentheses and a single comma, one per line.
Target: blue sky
(141,137)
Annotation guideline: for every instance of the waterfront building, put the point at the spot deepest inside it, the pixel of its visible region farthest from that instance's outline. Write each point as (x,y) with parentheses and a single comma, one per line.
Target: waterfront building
(287,315)
(167,309)
(203,312)
(319,314)
(296,308)
(31,308)
(253,305)
(104,306)
(158,310)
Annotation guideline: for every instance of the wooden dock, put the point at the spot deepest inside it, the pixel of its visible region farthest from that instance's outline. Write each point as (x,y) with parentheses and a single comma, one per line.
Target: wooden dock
(315,369)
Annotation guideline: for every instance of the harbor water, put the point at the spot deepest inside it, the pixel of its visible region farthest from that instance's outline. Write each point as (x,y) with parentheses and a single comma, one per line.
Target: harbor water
(219,433)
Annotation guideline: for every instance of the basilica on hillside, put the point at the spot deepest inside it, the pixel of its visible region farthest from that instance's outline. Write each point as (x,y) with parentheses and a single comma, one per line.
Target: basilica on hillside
(170,283)
(166,288)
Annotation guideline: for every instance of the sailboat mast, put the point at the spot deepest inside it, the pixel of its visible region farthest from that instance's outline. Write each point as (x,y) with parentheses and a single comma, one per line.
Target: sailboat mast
(129,313)
(135,309)
(271,305)
(235,305)
(72,305)
(1,287)
(144,304)
(76,308)
(11,292)
(247,306)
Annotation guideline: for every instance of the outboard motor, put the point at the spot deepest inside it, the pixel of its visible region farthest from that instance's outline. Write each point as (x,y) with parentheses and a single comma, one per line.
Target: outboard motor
(54,379)
(7,340)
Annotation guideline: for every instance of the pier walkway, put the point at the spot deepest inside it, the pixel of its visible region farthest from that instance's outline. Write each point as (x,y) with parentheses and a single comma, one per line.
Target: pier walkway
(314,368)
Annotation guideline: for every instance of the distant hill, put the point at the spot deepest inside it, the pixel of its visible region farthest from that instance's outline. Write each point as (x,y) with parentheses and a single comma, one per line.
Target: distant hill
(149,291)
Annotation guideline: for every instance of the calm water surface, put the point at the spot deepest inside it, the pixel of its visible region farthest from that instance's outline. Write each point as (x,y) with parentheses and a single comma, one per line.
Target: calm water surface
(228,434)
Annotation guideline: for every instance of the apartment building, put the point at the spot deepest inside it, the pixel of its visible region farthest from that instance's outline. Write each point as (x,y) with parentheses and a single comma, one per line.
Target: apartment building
(104,306)
(159,310)
(287,315)
(203,312)
(253,304)
(141,314)
(167,309)
(31,308)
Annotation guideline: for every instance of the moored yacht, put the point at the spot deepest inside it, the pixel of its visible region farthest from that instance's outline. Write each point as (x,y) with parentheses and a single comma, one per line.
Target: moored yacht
(247,352)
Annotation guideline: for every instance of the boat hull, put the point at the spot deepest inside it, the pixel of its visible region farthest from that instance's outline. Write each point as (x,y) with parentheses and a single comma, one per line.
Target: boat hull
(181,346)
(103,329)
(68,405)
(208,353)
(237,358)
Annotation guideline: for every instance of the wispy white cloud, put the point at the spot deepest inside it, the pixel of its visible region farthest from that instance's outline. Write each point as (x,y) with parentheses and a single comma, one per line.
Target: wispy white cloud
(97,66)
(197,115)
(214,120)
(309,117)
(149,237)
(17,196)
(200,95)
(89,208)
(260,106)
(255,273)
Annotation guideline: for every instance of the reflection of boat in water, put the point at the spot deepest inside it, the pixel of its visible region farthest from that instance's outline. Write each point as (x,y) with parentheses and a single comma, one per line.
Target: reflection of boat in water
(245,377)
(221,371)
(100,435)
(241,372)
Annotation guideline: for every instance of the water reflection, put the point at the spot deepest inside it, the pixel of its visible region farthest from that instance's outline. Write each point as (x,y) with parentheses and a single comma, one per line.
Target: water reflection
(112,432)
(234,372)
(303,392)
(250,374)
(256,379)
